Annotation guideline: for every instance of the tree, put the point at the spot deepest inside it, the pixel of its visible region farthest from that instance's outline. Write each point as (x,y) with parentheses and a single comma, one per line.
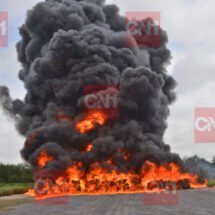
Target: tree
(15,173)
(213,160)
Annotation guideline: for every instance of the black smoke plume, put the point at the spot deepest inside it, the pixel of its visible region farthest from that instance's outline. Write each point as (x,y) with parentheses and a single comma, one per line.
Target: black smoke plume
(6,102)
(68,44)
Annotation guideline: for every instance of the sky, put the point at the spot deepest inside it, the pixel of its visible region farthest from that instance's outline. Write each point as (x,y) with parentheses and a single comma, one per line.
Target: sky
(191,32)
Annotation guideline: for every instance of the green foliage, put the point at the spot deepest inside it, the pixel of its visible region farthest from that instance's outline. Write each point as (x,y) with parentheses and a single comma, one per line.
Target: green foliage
(14,188)
(20,173)
(211,183)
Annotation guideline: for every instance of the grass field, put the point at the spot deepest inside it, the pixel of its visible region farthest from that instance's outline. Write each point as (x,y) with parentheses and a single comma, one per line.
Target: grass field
(211,183)
(14,188)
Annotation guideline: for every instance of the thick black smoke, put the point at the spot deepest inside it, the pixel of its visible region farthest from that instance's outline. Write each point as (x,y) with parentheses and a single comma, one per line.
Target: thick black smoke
(68,44)
(6,102)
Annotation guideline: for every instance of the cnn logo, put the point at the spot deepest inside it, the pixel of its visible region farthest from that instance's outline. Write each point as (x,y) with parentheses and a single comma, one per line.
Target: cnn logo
(144,27)
(3,29)
(204,125)
(47,191)
(168,195)
(102,98)
(93,101)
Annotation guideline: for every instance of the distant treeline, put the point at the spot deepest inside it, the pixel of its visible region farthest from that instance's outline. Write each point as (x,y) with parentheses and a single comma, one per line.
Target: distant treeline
(200,166)
(20,173)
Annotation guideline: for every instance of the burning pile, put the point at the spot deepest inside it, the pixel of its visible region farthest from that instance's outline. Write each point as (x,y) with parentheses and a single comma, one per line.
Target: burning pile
(100,180)
(67,45)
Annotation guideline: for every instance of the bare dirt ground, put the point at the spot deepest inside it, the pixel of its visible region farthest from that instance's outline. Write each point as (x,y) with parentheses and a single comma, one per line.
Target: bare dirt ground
(13,197)
(191,202)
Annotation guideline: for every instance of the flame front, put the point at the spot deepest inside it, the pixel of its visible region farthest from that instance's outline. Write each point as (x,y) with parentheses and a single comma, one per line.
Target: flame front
(44,158)
(98,180)
(89,147)
(104,178)
(90,121)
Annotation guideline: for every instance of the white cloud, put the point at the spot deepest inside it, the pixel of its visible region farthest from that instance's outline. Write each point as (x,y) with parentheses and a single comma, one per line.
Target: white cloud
(191,31)
(10,141)
(180,133)
(194,72)
(9,68)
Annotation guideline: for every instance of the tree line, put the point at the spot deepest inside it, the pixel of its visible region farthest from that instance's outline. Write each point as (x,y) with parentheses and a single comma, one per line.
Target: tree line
(20,173)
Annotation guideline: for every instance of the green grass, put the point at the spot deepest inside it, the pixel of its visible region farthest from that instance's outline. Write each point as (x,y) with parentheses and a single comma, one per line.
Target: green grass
(6,204)
(211,183)
(14,188)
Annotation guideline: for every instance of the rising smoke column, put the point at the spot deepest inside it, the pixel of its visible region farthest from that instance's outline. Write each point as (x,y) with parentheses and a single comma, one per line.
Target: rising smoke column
(5,100)
(68,44)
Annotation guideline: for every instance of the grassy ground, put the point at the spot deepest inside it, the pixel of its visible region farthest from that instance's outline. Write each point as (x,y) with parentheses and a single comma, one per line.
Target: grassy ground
(211,183)
(14,188)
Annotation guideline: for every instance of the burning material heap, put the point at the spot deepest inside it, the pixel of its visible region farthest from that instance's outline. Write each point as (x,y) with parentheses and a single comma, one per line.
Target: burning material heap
(65,46)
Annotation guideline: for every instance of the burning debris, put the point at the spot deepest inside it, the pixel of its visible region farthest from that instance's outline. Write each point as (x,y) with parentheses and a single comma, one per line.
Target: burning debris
(67,45)
(100,180)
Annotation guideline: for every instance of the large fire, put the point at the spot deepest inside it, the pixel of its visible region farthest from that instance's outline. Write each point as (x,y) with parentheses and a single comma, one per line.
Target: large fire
(44,158)
(97,180)
(89,122)
(100,180)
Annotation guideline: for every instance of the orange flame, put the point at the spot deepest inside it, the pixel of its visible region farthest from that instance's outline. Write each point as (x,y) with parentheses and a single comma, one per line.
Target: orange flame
(90,121)
(89,147)
(98,180)
(44,158)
